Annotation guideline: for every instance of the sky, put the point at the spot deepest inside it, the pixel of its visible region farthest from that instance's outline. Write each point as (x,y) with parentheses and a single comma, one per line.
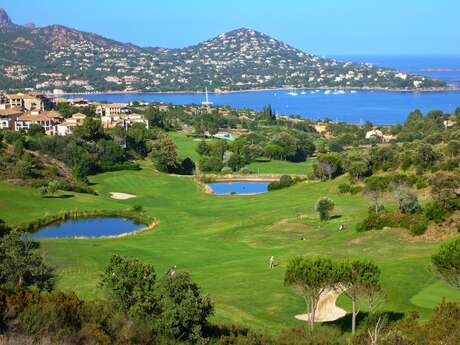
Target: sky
(325,27)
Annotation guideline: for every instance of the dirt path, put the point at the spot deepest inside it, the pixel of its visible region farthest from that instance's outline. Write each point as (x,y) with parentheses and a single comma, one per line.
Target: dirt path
(326,309)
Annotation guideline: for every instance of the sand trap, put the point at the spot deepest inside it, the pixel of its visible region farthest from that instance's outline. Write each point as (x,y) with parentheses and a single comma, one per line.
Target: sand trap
(121,196)
(326,309)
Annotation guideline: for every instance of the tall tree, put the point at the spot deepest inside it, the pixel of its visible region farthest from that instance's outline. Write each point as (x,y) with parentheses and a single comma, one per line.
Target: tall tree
(311,277)
(358,278)
(165,154)
(374,189)
(324,207)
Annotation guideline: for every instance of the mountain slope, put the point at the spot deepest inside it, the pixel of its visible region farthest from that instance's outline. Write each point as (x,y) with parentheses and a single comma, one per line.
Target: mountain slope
(59,57)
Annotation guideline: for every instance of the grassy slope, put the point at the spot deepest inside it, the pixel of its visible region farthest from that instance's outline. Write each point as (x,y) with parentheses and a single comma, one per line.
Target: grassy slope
(225,243)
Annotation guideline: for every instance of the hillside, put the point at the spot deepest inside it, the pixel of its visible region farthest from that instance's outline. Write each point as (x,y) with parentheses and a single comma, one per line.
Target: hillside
(59,57)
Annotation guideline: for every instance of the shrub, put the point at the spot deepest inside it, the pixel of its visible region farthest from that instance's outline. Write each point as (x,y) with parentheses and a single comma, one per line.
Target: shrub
(415,223)
(284,182)
(324,206)
(434,211)
(245,171)
(226,171)
(344,188)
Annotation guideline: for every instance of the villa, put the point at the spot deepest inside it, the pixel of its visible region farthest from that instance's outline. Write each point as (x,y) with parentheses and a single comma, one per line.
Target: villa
(108,109)
(67,127)
(48,120)
(8,117)
(123,120)
(28,102)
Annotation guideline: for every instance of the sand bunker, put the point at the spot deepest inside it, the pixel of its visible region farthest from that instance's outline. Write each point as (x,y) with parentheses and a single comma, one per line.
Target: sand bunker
(121,196)
(326,309)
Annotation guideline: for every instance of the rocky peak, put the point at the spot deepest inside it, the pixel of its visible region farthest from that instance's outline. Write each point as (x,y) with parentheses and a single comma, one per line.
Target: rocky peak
(5,20)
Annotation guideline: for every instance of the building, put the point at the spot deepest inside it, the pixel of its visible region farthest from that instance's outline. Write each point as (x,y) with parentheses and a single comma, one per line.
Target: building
(109,109)
(123,120)
(67,127)
(8,117)
(28,102)
(47,119)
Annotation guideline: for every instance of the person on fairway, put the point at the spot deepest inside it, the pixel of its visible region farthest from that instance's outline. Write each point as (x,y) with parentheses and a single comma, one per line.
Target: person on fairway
(271,262)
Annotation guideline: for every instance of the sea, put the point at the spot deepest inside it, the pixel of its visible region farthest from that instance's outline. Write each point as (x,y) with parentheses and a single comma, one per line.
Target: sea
(378,107)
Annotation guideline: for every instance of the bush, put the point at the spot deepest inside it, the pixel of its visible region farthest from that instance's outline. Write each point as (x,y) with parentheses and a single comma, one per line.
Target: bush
(245,171)
(434,211)
(344,188)
(415,223)
(226,171)
(284,182)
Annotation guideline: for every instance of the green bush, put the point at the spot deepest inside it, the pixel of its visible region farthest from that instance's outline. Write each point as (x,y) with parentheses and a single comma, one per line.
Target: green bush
(245,171)
(344,188)
(434,211)
(226,171)
(415,223)
(284,182)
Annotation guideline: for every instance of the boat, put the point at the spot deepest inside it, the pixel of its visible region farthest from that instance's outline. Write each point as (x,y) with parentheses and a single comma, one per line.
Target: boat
(207,101)
(292,93)
(327,92)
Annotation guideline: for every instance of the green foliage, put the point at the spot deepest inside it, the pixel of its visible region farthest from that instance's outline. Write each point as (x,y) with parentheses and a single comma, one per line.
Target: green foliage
(324,207)
(164,154)
(184,311)
(446,262)
(21,264)
(131,284)
(328,166)
(284,182)
(415,223)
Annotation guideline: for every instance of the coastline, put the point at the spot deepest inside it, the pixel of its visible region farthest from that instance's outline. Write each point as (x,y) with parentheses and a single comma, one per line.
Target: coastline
(451,88)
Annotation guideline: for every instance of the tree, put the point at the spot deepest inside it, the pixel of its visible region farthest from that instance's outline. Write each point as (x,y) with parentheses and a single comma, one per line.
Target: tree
(311,277)
(407,200)
(374,189)
(184,311)
(444,189)
(21,264)
(90,131)
(425,156)
(446,262)
(328,165)
(324,206)
(131,284)
(202,148)
(4,229)
(358,278)
(165,154)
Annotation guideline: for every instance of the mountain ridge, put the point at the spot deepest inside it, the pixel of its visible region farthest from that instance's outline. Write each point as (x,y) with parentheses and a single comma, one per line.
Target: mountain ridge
(56,56)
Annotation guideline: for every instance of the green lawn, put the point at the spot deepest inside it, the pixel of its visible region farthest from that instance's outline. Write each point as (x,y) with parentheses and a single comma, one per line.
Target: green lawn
(186,147)
(225,243)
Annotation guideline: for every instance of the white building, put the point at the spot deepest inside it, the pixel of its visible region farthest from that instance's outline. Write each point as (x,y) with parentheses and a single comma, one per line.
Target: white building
(8,117)
(67,127)
(48,120)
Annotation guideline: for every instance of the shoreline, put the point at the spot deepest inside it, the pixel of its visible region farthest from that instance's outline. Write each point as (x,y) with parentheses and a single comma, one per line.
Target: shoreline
(322,88)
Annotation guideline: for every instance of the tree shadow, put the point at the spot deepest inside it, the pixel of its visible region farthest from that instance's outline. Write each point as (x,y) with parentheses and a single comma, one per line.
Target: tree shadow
(335,216)
(344,324)
(62,196)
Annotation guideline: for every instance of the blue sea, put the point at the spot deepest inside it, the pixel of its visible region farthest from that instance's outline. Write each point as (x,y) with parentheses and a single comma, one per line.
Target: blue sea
(378,107)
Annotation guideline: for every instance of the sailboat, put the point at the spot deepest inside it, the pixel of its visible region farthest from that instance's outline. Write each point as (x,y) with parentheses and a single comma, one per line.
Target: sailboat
(293,92)
(206,102)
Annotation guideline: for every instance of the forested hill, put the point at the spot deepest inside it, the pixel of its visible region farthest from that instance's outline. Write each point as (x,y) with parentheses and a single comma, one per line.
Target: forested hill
(59,57)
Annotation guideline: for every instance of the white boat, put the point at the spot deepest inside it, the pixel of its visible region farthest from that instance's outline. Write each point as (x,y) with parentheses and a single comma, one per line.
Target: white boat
(207,101)
(341,92)
(327,92)
(353,91)
(292,93)
(303,93)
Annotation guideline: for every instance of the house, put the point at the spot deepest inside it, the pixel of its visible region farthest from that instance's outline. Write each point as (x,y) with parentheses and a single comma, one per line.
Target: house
(47,119)
(377,134)
(28,102)
(8,117)
(67,127)
(108,109)
(123,120)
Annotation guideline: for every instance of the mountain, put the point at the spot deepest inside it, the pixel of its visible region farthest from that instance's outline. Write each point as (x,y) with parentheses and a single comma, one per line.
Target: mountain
(59,57)
(5,20)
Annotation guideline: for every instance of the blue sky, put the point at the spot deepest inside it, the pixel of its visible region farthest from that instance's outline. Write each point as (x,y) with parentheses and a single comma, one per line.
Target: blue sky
(317,26)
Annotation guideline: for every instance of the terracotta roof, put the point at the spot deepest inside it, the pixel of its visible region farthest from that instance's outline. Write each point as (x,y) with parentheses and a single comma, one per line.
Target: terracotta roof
(113,105)
(10,111)
(47,115)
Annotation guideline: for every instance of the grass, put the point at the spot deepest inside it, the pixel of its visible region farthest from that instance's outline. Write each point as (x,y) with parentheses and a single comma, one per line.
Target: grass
(186,147)
(225,243)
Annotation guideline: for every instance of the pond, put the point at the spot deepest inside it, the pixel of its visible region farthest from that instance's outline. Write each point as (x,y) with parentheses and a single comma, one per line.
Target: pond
(91,227)
(239,187)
